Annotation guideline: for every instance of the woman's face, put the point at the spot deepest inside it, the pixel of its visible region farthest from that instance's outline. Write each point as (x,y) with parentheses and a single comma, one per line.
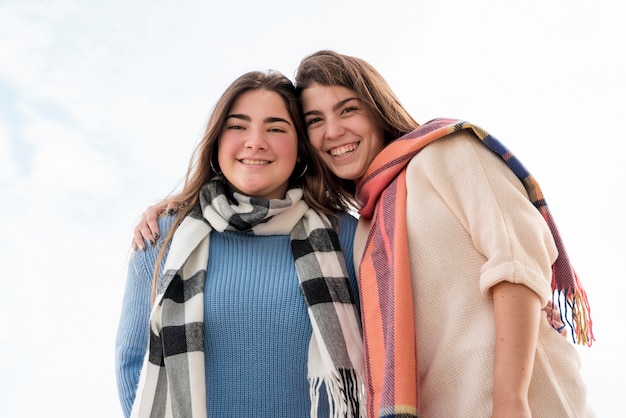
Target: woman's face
(341,129)
(258,145)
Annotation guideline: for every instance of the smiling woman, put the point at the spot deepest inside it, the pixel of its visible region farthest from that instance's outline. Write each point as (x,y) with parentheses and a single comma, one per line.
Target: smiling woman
(341,129)
(258,146)
(457,255)
(268,329)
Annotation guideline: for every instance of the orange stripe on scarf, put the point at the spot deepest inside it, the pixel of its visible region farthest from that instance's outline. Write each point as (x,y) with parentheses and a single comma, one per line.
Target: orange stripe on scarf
(392,379)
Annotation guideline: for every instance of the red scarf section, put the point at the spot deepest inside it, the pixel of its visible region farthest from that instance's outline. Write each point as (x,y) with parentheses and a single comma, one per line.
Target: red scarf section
(392,385)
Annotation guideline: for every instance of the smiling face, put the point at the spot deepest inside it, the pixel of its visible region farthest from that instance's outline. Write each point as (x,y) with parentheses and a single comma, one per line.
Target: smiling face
(258,145)
(341,129)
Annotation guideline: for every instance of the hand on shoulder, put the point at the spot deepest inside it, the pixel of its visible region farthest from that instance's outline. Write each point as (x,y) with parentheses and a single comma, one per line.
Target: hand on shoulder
(147,229)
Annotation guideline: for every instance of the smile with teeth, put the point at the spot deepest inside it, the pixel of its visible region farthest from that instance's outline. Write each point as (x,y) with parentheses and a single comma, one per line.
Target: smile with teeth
(344,149)
(254,162)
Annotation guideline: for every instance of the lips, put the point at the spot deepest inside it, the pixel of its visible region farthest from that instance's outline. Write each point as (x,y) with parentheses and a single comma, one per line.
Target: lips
(343,150)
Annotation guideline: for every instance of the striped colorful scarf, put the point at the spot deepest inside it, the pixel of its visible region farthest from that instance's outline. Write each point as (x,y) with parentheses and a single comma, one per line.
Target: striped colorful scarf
(172,382)
(385,281)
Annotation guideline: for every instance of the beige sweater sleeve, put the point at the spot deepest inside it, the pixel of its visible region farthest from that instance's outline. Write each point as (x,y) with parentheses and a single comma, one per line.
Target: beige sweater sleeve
(491,207)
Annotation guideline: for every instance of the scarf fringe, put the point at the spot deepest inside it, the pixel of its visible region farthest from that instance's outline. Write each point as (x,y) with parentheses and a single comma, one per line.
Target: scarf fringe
(575,313)
(345,393)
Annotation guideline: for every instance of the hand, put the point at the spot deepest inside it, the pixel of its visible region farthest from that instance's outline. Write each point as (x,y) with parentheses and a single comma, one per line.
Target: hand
(554,318)
(147,230)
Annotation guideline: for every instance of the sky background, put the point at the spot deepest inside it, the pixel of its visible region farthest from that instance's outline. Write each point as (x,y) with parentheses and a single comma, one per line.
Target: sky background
(102,102)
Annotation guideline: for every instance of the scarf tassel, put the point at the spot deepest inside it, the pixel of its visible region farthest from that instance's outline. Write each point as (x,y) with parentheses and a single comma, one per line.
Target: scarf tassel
(345,393)
(576,313)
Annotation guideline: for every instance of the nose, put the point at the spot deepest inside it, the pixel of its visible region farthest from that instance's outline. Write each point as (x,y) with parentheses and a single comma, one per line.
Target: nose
(256,140)
(334,128)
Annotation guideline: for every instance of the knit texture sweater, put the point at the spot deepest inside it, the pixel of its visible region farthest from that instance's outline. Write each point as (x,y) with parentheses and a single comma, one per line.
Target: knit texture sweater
(256,326)
(470,226)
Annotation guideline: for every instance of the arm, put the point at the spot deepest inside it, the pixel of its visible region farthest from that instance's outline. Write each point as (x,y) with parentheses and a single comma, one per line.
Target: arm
(517,312)
(132,334)
(491,204)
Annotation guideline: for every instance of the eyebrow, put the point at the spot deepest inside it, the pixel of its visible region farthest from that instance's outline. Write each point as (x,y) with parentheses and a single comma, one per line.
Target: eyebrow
(336,107)
(271,119)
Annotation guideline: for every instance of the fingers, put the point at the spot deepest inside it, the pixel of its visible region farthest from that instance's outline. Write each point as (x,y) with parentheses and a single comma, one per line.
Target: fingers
(138,242)
(147,229)
(150,230)
(145,233)
(554,318)
(171,208)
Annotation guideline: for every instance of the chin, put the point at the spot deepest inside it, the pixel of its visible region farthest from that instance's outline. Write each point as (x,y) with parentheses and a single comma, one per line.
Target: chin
(342,174)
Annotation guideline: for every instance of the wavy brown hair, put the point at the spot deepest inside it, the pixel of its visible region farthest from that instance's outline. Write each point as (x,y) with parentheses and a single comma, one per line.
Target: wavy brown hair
(203,163)
(329,68)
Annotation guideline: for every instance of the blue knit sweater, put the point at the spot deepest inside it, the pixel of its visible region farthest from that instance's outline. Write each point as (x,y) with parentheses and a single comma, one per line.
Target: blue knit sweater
(256,326)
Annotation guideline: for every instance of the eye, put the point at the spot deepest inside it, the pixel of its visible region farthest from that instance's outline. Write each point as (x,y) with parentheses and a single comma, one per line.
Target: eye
(276,130)
(312,121)
(235,126)
(349,109)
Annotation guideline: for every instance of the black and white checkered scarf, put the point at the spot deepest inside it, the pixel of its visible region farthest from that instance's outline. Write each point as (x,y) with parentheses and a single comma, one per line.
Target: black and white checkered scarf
(172,382)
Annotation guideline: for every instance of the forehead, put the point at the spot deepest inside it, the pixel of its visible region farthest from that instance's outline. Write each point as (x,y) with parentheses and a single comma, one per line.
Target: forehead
(318,97)
(260,102)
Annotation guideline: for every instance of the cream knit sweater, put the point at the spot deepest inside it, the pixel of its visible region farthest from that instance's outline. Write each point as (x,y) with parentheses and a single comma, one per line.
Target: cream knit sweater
(471,225)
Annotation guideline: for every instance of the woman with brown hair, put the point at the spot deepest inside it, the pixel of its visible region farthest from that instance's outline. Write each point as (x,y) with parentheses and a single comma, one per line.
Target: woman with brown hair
(247,307)
(457,255)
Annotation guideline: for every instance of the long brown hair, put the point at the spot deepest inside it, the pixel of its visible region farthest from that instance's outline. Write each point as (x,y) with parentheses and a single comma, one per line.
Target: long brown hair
(203,163)
(329,68)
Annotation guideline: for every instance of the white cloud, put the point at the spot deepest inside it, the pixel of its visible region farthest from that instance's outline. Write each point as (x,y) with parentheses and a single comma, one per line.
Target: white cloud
(63,161)
(8,166)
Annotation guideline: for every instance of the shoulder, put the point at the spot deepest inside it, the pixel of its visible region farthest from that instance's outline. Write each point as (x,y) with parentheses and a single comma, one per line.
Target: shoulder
(456,143)
(346,220)
(165,223)
(459,155)
(346,228)
(346,224)
(147,258)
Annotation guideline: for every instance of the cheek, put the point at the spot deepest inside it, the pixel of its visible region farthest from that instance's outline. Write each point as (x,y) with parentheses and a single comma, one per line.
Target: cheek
(222,151)
(289,152)
(315,140)
(376,140)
